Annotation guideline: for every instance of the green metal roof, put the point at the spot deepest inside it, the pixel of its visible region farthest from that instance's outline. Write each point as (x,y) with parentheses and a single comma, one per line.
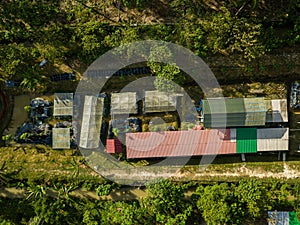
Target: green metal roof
(293,219)
(246,140)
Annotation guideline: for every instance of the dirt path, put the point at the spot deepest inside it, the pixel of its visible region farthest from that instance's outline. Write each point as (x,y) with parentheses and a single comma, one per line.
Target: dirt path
(243,171)
(122,194)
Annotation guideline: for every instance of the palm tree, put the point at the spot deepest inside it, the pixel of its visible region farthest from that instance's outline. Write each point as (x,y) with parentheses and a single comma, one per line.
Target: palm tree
(37,191)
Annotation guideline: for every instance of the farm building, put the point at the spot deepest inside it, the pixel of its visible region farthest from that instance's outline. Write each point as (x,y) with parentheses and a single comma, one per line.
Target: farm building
(272,139)
(240,112)
(156,101)
(282,218)
(179,143)
(61,138)
(91,122)
(63,104)
(124,103)
(205,142)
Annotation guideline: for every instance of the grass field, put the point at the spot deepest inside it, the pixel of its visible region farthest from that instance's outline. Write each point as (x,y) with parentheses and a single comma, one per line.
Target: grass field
(41,164)
(44,165)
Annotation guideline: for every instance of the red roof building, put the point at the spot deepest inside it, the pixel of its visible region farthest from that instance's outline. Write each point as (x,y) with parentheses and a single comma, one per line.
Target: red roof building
(180,143)
(113,146)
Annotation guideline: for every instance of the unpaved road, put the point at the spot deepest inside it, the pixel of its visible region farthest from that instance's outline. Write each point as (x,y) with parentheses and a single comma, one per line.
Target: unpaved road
(116,195)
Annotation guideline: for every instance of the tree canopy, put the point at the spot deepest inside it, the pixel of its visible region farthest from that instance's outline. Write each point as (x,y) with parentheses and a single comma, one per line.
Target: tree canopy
(72,30)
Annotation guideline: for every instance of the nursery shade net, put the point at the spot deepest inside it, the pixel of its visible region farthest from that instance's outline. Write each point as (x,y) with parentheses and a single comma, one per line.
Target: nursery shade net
(63,104)
(124,103)
(239,112)
(156,101)
(61,138)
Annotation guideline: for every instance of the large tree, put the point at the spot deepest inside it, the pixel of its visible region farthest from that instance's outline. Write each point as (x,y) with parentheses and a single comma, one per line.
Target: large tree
(214,202)
(162,64)
(165,203)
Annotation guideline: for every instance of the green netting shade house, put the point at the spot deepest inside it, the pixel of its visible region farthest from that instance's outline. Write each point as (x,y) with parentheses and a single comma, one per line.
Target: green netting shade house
(157,101)
(63,104)
(234,112)
(91,122)
(61,138)
(124,103)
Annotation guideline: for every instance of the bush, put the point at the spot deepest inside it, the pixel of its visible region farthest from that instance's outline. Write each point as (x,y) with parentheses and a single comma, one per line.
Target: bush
(145,128)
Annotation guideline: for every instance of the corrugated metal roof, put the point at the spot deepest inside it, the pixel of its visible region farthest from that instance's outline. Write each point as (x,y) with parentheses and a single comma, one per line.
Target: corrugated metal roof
(63,104)
(293,219)
(113,146)
(156,101)
(282,218)
(124,103)
(91,122)
(233,134)
(61,138)
(277,110)
(272,139)
(278,218)
(246,140)
(179,143)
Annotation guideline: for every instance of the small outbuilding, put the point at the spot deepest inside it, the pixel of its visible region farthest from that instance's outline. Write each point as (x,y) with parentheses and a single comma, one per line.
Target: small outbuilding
(113,146)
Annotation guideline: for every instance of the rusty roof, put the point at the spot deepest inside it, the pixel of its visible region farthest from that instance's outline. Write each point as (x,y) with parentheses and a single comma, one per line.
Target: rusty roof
(179,143)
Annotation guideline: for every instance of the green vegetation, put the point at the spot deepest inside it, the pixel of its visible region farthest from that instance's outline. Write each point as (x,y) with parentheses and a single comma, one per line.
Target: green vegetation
(42,165)
(71,32)
(166,202)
